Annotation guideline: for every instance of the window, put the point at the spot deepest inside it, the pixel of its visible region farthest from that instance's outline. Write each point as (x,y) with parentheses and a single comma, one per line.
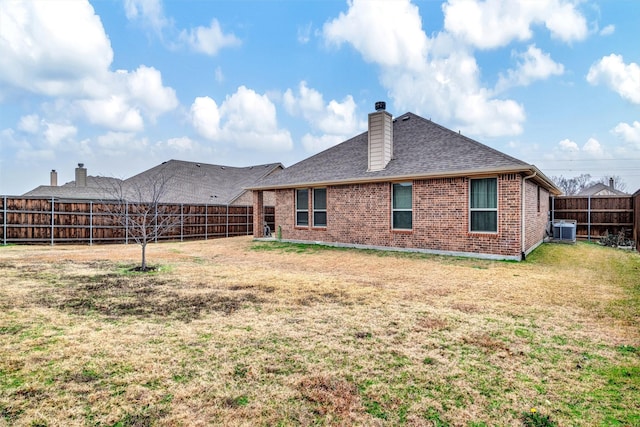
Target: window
(319,207)
(402,204)
(538,198)
(302,207)
(484,205)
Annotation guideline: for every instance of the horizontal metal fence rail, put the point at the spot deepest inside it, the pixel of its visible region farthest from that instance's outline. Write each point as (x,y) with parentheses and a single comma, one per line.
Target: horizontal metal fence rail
(51,221)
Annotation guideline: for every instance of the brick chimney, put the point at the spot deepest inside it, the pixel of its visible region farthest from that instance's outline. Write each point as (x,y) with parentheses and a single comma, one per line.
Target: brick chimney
(81,175)
(380,138)
(54,178)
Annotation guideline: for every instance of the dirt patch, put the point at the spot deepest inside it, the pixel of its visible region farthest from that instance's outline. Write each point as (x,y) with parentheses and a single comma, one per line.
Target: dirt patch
(333,398)
(142,296)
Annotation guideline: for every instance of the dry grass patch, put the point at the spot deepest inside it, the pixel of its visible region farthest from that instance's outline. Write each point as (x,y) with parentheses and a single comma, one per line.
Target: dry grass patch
(234,332)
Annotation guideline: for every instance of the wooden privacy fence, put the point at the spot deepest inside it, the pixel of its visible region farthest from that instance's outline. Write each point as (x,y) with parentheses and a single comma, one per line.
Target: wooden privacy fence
(597,215)
(51,221)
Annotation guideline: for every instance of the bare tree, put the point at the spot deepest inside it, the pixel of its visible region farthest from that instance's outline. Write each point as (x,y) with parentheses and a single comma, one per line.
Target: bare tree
(572,186)
(135,205)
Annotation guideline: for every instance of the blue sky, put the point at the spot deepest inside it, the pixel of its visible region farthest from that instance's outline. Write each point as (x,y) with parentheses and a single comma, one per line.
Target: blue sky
(124,85)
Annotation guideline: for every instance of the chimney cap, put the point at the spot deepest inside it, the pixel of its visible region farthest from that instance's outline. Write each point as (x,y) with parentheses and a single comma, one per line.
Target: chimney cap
(80,165)
(381,106)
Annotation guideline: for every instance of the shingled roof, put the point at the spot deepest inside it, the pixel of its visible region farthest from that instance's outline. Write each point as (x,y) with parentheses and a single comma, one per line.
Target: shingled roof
(421,149)
(186,182)
(202,183)
(94,190)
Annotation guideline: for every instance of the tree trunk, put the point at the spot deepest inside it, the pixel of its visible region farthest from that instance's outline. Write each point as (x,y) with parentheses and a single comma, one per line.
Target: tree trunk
(143,267)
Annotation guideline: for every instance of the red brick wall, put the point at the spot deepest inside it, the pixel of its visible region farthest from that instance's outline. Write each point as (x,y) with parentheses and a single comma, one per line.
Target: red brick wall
(536,218)
(361,214)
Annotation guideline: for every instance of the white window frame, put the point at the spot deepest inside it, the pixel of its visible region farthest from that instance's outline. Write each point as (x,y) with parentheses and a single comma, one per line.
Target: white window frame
(394,209)
(495,178)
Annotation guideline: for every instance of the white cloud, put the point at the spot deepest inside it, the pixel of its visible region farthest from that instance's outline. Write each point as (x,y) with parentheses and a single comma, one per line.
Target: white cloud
(205,117)
(250,121)
(59,49)
(434,77)
(532,65)
(56,133)
(567,145)
(115,144)
(202,39)
(181,144)
(495,23)
(149,12)
(29,123)
(246,119)
(388,33)
(336,120)
(208,40)
(608,30)
(53,48)
(628,132)
(146,89)
(617,76)
(112,113)
(593,148)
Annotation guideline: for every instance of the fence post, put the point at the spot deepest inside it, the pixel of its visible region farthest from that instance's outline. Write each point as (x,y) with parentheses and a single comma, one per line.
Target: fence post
(91,223)
(206,221)
(227,224)
(181,222)
(4,221)
(247,220)
(52,218)
(155,223)
(589,218)
(126,223)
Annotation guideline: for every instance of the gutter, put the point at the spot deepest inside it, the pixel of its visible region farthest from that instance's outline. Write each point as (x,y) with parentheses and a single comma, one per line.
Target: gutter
(522,214)
(368,179)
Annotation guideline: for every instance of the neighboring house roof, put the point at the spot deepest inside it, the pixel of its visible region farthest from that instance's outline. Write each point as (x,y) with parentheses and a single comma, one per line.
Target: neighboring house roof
(192,182)
(600,189)
(186,182)
(95,189)
(421,149)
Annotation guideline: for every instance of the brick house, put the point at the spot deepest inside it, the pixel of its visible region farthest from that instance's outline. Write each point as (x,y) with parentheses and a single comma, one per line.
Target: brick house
(411,184)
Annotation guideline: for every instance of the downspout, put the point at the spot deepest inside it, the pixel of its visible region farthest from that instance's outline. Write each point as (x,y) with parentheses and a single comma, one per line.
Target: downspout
(522,213)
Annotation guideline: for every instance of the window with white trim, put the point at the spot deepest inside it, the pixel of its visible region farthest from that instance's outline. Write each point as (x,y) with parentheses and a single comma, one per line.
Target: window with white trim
(319,207)
(302,207)
(402,206)
(483,205)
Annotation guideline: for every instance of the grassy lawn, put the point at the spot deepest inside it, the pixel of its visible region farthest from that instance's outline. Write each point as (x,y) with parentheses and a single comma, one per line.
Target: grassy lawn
(235,332)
